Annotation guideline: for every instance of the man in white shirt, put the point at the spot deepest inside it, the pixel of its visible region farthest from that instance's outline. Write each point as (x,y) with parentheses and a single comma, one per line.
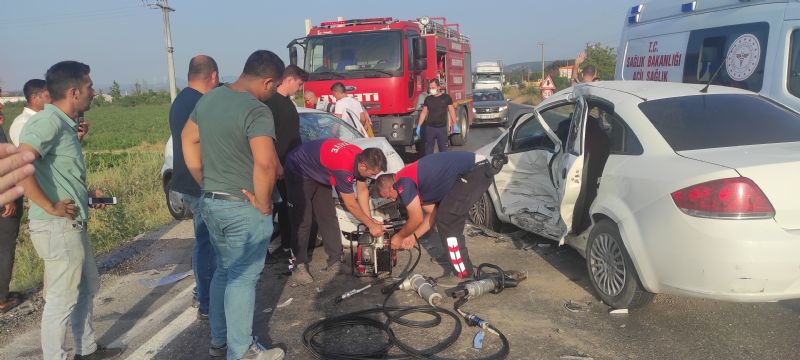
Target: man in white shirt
(36,96)
(350,109)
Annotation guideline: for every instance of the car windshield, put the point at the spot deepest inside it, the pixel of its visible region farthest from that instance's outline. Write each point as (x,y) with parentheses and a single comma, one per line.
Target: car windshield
(352,56)
(721,120)
(314,126)
(488,77)
(487,96)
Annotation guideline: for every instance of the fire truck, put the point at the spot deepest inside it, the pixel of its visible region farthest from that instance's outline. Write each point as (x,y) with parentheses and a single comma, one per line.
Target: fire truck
(386,64)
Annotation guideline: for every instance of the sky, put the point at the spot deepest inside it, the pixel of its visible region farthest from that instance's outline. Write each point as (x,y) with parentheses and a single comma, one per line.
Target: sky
(123,40)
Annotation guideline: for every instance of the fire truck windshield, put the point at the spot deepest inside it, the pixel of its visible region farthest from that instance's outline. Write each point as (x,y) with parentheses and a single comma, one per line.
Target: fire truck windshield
(355,55)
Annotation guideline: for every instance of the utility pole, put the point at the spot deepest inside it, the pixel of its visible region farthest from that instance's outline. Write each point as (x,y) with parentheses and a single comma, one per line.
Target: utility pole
(542,46)
(165,9)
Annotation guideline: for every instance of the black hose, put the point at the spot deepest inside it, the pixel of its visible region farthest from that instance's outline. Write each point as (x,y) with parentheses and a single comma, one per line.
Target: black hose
(394,315)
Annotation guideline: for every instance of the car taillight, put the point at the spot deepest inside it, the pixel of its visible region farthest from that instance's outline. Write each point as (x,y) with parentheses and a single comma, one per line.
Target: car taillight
(733,198)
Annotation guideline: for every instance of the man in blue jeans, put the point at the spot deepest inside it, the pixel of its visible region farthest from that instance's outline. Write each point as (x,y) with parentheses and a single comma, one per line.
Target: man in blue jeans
(59,212)
(203,77)
(228,146)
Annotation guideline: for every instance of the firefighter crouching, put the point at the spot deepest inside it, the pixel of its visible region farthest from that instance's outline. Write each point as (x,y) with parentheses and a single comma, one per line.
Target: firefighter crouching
(312,170)
(439,189)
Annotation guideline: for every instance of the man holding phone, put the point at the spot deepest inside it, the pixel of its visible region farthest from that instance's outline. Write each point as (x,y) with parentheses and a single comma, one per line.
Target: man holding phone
(59,213)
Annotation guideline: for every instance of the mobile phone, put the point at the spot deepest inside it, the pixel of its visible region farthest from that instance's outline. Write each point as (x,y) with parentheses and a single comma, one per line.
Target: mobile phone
(103,201)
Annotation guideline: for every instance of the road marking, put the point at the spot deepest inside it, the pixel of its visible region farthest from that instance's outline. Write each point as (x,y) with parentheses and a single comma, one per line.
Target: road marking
(155,320)
(161,339)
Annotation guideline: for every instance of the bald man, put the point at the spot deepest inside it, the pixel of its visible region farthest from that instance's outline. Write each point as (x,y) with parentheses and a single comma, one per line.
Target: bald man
(203,77)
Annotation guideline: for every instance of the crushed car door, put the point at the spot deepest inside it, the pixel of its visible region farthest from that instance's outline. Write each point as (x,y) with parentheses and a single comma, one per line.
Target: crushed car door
(569,167)
(525,188)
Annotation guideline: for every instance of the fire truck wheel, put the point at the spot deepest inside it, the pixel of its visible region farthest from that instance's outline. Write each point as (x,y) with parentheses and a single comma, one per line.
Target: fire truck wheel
(461,138)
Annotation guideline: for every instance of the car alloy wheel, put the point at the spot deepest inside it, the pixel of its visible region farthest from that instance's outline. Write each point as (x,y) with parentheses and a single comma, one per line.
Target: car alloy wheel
(607,264)
(611,271)
(175,204)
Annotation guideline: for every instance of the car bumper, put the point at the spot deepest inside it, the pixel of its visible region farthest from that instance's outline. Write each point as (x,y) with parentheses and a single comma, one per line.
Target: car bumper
(733,260)
(483,118)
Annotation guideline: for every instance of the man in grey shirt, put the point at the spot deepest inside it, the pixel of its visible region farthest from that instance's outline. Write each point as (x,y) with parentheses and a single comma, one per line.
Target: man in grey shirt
(228,146)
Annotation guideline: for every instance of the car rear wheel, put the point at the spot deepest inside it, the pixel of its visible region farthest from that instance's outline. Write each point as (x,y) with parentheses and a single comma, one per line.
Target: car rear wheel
(463,123)
(175,204)
(611,271)
(482,213)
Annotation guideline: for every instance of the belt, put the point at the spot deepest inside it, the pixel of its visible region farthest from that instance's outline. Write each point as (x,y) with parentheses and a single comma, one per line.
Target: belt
(220,196)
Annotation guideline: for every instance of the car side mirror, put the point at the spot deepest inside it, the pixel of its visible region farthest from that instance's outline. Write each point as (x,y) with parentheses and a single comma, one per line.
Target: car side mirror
(293,55)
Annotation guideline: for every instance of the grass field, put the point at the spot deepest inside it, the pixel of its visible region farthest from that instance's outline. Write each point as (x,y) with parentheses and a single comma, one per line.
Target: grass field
(124,154)
(117,127)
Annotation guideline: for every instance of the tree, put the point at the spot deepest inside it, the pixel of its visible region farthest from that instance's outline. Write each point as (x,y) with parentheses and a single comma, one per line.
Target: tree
(603,58)
(115,91)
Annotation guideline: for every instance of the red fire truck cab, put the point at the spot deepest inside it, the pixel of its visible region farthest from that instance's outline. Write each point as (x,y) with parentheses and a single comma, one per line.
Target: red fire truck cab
(386,64)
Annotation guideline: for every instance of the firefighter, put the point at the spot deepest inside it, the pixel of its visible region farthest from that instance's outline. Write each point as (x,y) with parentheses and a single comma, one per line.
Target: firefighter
(312,169)
(439,189)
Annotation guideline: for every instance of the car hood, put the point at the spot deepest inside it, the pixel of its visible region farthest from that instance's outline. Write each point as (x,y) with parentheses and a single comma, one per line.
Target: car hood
(484,104)
(393,161)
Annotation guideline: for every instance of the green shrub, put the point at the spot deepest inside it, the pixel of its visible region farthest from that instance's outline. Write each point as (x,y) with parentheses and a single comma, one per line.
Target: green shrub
(134,179)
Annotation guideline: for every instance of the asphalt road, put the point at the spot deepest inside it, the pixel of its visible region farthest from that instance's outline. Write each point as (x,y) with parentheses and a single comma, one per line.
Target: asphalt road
(159,322)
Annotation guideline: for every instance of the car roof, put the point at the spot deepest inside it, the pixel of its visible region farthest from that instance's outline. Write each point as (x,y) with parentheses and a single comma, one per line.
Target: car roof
(303,109)
(653,90)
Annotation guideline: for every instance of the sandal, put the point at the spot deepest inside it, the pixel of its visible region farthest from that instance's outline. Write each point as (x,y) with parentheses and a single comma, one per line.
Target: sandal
(10,303)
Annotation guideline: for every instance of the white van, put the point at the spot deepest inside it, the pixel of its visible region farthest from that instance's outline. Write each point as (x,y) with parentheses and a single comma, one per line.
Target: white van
(751,44)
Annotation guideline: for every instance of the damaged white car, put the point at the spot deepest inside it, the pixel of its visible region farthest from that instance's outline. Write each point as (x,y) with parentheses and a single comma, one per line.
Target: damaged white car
(662,187)
(314,124)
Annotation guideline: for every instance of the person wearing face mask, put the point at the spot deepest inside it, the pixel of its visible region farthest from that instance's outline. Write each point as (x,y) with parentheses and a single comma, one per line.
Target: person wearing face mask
(436,119)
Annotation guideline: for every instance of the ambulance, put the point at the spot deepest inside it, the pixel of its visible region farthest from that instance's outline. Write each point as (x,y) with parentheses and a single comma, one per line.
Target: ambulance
(746,44)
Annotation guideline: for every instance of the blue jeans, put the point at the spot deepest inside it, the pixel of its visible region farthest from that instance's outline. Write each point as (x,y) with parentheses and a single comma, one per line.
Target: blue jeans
(240,235)
(204,262)
(71,281)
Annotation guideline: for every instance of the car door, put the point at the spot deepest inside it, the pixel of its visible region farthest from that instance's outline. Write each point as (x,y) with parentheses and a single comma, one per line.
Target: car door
(568,168)
(525,187)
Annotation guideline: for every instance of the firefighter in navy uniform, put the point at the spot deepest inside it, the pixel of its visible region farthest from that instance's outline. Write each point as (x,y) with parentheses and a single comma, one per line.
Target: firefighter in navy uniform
(439,189)
(312,170)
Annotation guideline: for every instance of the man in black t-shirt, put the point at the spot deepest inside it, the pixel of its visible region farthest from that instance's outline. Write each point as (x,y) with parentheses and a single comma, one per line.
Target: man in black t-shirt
(287,131)
(203,77)
(434,118)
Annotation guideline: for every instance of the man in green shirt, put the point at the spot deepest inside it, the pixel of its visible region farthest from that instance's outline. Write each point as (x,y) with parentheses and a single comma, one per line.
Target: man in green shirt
(228,146)
(59,212)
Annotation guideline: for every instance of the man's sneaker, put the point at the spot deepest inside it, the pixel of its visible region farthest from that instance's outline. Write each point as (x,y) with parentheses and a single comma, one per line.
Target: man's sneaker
(102,352)
(301,276)
(218,351)
(259,352)
(201,316)
(336,268)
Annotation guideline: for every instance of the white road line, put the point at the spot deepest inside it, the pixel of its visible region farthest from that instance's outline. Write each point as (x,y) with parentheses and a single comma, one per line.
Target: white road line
(155,321)
(160,340)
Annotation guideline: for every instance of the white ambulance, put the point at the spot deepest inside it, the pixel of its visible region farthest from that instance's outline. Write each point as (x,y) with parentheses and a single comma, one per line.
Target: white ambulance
(748,44)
